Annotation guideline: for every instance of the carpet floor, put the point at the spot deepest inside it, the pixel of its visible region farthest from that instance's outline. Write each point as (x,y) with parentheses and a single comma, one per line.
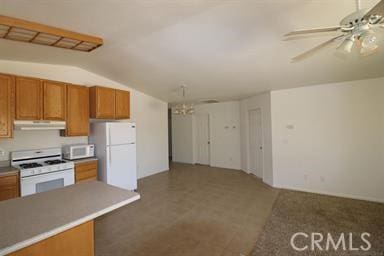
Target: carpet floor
(308,213)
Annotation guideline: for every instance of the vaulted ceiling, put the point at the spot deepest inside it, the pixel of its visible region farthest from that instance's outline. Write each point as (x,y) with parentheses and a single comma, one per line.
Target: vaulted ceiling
(221,49)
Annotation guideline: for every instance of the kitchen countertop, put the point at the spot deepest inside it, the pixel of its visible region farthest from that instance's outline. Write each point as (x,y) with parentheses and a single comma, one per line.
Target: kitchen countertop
(8,170)
(84,160)
(28,220)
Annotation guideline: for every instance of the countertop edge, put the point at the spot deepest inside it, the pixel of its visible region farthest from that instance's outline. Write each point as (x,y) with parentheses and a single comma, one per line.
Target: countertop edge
(63,228)
(7,171)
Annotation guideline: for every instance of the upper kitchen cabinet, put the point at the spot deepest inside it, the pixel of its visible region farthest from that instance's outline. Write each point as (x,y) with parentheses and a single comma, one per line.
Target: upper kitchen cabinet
(77,111)
(6,105)
(38,99)
(102,102)
(108,103)
(122,104)
(29,93)
(54,98)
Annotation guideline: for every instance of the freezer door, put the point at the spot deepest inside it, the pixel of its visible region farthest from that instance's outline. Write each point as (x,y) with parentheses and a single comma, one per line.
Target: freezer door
(121,170)
(121,133)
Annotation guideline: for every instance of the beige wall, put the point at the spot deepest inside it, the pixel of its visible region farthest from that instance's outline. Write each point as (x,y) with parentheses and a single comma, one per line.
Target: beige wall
(330,139)
(224,122)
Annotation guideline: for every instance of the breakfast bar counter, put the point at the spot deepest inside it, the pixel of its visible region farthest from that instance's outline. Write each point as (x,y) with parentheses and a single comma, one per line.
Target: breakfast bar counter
(39,223)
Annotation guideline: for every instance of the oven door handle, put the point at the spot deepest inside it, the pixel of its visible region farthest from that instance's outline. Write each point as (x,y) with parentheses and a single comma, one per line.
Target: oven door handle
(33,178)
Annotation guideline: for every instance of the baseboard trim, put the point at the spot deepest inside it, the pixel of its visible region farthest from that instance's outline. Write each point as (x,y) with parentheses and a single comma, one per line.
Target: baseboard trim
(152,173)
(363,198)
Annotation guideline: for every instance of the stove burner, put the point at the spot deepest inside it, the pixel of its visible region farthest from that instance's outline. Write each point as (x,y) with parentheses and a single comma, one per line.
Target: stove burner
(52,162)
(30,165)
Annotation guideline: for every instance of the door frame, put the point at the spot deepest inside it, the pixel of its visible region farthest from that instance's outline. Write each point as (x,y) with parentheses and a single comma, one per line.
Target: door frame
(196,139)
(249,144)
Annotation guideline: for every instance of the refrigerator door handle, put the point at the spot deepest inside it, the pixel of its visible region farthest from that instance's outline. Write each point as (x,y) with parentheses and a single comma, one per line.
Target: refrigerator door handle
(110,157)
(109,136)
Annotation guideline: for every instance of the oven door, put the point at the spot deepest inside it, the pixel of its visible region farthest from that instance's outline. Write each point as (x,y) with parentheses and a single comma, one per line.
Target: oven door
(45,182)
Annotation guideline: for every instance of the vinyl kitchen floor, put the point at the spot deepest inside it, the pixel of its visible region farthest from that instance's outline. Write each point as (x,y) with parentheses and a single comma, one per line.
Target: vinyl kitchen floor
(190,210)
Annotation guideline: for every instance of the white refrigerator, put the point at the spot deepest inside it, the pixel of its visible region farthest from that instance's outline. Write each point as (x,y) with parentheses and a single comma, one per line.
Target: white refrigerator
(115,147)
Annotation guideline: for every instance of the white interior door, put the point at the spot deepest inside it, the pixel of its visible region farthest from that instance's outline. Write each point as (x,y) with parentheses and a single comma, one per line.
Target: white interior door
(121,171)
(255,143)
(202,138)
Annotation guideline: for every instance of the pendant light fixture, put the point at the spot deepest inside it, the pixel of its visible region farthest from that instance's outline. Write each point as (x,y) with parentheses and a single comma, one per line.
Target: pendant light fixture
(184,108)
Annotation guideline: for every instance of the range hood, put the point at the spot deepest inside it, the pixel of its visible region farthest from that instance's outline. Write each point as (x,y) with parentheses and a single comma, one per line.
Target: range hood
(39,125)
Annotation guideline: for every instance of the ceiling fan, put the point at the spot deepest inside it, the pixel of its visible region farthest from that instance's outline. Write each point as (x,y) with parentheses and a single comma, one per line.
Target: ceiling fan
(358,33)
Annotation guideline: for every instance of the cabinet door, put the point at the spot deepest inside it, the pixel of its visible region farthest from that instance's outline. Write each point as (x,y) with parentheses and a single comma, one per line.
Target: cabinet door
(102,102)
(122,104)
(86,171)
(77,111)
(9,187)
(28,99)
(6,106)
(54,100)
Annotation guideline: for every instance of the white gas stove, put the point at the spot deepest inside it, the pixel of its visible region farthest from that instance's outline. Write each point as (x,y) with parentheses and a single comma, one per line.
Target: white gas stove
(42,170)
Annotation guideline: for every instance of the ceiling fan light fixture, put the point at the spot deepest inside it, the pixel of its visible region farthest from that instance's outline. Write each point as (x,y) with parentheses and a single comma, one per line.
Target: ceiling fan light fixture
(370,41)
(347,44)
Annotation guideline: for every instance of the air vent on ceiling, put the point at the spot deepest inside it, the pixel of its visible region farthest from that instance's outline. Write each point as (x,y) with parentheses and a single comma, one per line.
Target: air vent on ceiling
(209,101)
(32,32)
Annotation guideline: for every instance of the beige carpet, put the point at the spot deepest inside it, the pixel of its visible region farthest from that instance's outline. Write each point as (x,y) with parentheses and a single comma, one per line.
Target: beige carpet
(304,212)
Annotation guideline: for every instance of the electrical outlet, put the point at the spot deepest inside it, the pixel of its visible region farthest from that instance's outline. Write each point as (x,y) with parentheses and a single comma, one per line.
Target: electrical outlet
(3,155)
(322,179)
(305,177)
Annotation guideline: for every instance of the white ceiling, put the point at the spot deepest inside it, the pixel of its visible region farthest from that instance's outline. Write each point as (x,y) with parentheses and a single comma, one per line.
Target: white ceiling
(223,49)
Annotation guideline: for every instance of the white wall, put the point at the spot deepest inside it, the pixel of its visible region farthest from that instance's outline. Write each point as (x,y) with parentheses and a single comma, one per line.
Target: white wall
(224,121)
(262,102)
(150,115)
(330,139)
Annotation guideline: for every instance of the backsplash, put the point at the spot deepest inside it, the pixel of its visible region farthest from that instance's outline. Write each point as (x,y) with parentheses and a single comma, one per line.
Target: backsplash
(27,140)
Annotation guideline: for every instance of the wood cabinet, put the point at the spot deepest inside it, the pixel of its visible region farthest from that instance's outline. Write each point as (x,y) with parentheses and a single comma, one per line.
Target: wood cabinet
(72,242)
(29,94)
(7,105)
(122,101)
(77,111)
(85,171)
(9,186)
(40,99)
(108,103)
(54,100)
(102,102)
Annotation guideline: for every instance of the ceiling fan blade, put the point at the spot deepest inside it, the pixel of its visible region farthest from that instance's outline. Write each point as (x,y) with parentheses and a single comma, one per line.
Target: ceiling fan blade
(376,10)
(311,31)
(314,50)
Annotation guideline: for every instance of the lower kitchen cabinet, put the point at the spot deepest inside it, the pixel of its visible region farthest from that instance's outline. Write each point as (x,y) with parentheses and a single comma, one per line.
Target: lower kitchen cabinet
(85,171)
(9,186)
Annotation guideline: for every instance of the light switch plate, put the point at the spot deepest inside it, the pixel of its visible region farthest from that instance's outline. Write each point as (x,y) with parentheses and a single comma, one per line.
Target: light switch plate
(3,155)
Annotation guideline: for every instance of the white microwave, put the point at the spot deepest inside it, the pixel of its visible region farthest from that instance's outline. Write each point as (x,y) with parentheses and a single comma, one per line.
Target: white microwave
(72,152)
